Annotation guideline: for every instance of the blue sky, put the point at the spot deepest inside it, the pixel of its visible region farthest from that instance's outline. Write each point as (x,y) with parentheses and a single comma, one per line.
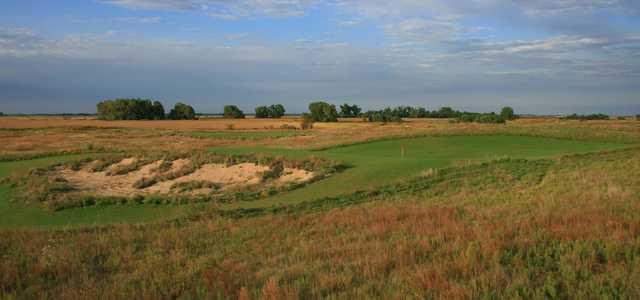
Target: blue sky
(538,56)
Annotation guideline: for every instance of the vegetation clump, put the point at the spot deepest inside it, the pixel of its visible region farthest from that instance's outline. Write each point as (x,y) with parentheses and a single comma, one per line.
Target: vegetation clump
(307,122)
(233,112)
(484,118)
(350,111)
(182,111)
(275,111)
(507,113)
(130,109)
(323,112)
(586,117)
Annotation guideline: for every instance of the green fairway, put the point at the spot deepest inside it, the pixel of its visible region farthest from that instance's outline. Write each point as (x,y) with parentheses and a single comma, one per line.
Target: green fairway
(383,162)
(370,164)
(16,214)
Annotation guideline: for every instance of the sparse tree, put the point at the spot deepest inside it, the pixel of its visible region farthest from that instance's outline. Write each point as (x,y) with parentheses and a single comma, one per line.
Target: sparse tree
(233,112)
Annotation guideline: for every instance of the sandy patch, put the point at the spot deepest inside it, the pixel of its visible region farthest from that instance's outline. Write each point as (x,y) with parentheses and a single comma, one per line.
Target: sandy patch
(226,177)
(295,176)
(102,184)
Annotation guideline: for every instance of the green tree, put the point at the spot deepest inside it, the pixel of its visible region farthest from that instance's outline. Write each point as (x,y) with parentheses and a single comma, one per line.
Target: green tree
(233,112)
(350,111)
(182,111)
(276,111)
(158,111)
(323,112)
(507,113)
(262,112)
(126,109)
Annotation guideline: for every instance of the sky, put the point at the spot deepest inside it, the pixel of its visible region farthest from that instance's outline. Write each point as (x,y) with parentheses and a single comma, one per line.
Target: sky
(538,56)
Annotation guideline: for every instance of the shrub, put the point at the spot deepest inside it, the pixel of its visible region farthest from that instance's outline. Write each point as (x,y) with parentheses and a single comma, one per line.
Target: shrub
(233,112)
(323,112)
(508,114)
(275,111)
(274,172)
(637,117)
(490,118)
(182,111)
(130,109)
(307,122)
(586,117)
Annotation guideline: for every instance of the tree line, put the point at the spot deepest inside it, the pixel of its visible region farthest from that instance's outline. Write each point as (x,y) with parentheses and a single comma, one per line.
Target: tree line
(142,109)
(319,111)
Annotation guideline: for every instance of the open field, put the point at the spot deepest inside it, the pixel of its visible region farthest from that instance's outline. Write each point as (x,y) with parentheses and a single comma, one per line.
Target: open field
(537,208)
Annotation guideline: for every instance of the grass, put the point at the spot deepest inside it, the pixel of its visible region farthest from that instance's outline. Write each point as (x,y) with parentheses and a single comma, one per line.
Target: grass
(18,214)
(371,165)
(376,163)
(507,229)
(245,135)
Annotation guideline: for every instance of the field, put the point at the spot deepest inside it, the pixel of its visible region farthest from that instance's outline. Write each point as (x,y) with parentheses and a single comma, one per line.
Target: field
(536,208)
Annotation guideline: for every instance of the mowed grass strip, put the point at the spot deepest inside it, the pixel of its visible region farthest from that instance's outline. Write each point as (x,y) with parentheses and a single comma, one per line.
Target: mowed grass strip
(383,162)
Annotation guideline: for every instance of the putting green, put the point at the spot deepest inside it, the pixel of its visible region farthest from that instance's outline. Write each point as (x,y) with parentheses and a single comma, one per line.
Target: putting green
(370,164)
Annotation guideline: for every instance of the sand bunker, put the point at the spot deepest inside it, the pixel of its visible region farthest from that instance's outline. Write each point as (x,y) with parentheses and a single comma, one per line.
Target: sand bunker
(224,177)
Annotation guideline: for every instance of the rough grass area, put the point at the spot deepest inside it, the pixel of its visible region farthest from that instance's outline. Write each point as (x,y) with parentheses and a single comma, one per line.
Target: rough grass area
(510,228)
(246,135)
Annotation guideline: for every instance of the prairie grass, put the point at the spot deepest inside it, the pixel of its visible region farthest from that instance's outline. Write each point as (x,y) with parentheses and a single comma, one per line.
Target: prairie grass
(563,228)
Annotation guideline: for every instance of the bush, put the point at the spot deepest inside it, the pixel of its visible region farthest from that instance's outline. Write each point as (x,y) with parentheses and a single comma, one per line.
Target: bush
(490,118)
(275,111)
(130,109)
(233,112)
(637,117)
(323,112)
(508,114)
(384,116)
(182,111)
(307,122)
(586,117)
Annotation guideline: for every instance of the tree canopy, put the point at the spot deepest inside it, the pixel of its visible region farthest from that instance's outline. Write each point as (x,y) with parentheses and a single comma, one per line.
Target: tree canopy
(182,111)
(323,112)
(350,111)
(275,111)
(507,113)
(130,109)
(233,112)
